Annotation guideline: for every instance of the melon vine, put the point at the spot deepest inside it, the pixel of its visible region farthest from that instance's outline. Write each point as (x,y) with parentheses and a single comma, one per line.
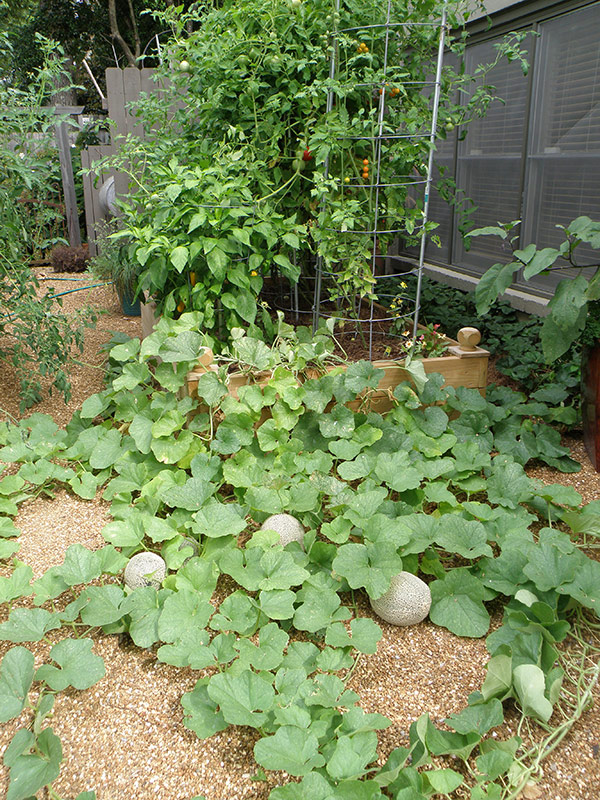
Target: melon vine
(435,487)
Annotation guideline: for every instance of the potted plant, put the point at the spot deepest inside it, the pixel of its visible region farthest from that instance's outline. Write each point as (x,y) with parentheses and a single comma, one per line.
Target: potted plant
(572,311)
(112,264)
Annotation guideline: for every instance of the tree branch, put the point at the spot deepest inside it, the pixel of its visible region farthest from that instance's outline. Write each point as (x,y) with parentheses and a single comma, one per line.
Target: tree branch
(134,30)
(116,33)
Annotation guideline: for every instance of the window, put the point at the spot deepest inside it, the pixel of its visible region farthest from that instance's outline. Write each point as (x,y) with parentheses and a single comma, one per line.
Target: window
(535,157)
(563,158)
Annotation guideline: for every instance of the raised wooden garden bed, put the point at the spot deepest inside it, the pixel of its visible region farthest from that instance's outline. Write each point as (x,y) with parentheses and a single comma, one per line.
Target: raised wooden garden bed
(465,364)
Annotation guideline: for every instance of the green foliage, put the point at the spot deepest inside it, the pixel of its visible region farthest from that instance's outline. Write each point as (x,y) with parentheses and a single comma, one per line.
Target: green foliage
(37,337)
(568,306)
(414,489)
(254,156)
(514,338)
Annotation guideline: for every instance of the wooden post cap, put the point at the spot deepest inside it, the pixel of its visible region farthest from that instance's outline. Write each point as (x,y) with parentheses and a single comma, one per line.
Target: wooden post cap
(206,357)
(468,338)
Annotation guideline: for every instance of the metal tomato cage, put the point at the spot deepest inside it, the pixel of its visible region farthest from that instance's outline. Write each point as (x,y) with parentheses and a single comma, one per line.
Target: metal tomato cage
(369,313)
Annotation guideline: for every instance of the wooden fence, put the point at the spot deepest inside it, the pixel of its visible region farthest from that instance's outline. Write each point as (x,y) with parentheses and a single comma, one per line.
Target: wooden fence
(123,88)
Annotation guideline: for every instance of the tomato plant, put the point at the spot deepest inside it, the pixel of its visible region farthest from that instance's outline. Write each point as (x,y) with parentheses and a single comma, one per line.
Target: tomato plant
(252,127)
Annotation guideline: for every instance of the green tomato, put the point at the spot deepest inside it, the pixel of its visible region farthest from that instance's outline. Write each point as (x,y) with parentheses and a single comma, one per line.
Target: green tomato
(184,66)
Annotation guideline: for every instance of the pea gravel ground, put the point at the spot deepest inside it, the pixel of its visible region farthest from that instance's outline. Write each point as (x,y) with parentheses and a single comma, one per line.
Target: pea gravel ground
(125,737)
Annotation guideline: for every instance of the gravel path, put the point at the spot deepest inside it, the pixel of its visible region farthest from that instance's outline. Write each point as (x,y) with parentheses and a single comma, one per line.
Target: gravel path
(124,737)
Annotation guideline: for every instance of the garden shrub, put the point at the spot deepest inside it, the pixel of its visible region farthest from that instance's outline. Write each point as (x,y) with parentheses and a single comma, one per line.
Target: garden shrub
(36,338)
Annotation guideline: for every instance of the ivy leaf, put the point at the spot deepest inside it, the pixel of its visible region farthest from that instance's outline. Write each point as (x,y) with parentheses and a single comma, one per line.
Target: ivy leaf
(16,676)
(244,699)
(530,683)
(468,538)
(457,604)
(292,749)
(28,625)
(29,772)
(200,712)
(78,666)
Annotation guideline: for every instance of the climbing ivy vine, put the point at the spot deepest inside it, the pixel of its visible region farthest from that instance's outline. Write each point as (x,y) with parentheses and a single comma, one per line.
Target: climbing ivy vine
(435,486)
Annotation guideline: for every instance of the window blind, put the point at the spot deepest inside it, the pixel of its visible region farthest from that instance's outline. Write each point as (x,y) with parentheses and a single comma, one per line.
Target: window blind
(563,160)
(490,157)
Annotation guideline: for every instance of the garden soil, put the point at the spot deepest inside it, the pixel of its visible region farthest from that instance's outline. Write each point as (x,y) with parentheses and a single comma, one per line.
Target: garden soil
(125,736)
